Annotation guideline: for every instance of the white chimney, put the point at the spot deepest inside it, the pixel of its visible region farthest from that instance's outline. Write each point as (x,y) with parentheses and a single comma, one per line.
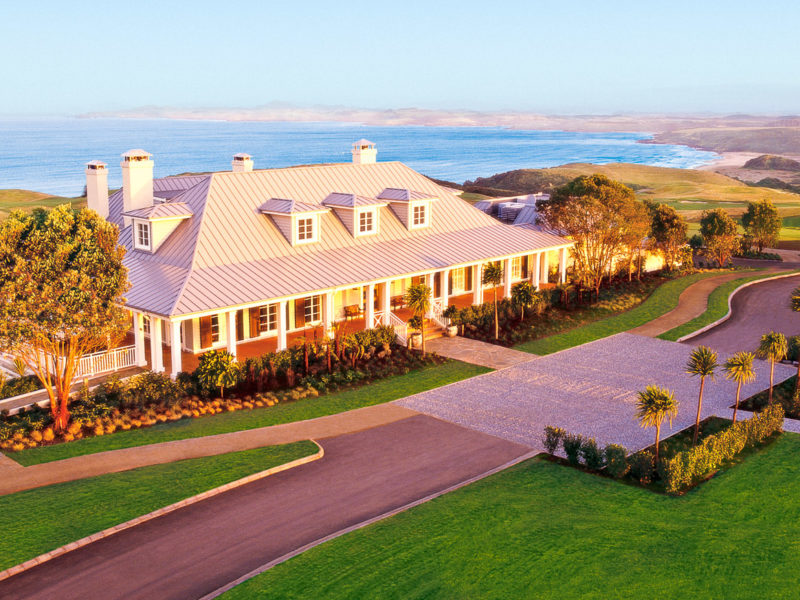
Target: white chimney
(97,187)
(242,163)
(137,180)
(364,152)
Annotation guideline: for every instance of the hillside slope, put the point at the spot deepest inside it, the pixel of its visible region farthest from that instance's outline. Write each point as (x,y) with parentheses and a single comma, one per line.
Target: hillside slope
(28,200)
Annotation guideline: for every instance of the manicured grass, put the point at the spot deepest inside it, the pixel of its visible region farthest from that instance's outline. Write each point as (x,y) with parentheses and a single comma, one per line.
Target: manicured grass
(377,392)
(717,307)
(541,530)
(27,200)
(661,301)
(36,521)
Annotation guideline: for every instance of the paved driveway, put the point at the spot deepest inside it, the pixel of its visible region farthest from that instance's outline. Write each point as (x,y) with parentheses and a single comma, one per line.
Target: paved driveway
(196,550)
(589,389)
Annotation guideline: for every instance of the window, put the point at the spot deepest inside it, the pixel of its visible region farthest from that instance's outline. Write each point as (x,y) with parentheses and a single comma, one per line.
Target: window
(267,318)
(214,329)
(305,230)
(458,279)
(312,309)
(516,268)
(366,221)
(146,325)
(420,216)
(142,240)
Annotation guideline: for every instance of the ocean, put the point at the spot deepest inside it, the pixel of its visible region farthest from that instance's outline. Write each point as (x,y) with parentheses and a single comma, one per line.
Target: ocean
(48,155)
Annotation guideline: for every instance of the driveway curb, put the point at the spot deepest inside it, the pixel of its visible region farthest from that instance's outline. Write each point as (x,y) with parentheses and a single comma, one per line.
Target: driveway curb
(362,524)
(28,564)
(730,307)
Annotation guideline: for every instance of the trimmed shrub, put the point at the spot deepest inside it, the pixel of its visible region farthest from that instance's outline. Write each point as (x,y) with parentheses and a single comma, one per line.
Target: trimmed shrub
(592,455)
(616,460)
(552,438)
(572,447)
(641,466)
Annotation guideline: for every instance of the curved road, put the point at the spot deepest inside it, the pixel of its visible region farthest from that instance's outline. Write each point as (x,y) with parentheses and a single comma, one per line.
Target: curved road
(756,310)
(198,549)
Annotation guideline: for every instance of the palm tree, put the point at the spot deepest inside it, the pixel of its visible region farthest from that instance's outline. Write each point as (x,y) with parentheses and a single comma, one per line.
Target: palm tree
(773,347)
(418,299)
(652,405)
(703,363)
(522,295)
(739,368)
(493,275)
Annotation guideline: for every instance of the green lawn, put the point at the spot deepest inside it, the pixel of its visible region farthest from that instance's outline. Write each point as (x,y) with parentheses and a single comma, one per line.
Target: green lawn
(27,200)
(661,301)
(375,393)
(36,521)
(541,530)
(717,307)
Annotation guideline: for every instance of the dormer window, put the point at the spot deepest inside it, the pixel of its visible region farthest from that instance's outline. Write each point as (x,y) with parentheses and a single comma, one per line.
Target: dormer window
(367,221)
(420,216)
(306,229)
(142,235)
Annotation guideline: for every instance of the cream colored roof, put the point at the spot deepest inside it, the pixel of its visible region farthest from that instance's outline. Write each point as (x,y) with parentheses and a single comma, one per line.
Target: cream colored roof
(229,253)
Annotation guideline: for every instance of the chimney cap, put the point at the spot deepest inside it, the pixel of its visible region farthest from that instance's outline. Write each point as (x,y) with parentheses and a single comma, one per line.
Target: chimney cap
(137,154)
(242,156)
(96,164)
(363,142)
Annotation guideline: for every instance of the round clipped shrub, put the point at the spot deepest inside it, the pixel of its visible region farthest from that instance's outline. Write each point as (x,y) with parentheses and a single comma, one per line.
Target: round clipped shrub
(616,460)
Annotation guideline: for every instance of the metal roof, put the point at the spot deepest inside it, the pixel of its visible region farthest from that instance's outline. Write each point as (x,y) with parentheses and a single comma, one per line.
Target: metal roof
(164,210)
(228,254)
(137,152)
(351,200)
(363,142)
(403,195)
(284,206)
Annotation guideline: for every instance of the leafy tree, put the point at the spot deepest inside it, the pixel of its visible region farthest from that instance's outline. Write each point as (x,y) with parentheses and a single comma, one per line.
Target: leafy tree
(600,216)
(773,347)
(637,230)
(418,299)
(61,294)
(762,223)
(217,369)
(702,363)
(522,295)
(653,405)
(720,235)
(668,229)
(795,303)
(493,275)
(739,368)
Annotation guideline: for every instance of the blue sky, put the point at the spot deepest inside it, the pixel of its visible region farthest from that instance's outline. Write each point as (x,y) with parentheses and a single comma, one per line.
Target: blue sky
(557,57)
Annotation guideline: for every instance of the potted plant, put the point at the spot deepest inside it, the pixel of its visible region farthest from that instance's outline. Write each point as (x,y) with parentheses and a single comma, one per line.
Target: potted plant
(451,313)
(415,339)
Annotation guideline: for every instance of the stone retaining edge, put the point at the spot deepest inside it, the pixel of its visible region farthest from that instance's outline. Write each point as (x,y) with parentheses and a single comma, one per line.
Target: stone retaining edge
(370,521)
(85,541)
(727,316)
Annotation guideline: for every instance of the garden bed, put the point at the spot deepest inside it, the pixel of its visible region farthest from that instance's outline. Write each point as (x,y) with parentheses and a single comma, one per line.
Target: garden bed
(782,393)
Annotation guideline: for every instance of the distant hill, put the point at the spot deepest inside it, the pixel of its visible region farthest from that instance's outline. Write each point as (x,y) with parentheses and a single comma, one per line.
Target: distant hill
(27,200)
(771,162)
(771,140)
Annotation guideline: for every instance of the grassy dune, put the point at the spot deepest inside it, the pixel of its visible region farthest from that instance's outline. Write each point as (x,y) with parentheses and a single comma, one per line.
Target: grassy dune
(27,200)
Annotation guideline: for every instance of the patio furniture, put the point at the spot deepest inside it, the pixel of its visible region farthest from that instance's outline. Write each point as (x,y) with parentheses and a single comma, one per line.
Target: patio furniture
(352,311)
(397,302)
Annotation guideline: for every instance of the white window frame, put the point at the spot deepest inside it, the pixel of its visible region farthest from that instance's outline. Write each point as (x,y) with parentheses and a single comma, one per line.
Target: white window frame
(146,325)
(516,268)
(215,330)
(142,226)
(412,217)
(366,213)
(312,308)
(267,318)
(313,219)
(458,279)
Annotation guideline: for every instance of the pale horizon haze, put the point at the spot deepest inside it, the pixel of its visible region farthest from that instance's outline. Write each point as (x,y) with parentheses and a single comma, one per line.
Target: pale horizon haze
(570,57)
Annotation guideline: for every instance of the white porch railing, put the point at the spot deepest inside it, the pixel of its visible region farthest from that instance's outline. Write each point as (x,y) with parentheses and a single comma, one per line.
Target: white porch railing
(400,328)
(437,308)
(377,320)
(107,360)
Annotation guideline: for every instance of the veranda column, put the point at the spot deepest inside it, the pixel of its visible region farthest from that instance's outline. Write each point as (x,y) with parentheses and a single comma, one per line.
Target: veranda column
(445,281)
(562,265)
(328,310)
(545,267)
(175,348)
(230,330)
(507,278)
(386,299)
(537,262)
(282,325)
(477,285)
(156,353)
(138,339)
(369,309)
(429,283)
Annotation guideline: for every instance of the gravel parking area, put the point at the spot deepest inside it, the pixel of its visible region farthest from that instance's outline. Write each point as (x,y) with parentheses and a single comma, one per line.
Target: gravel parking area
(590,389)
